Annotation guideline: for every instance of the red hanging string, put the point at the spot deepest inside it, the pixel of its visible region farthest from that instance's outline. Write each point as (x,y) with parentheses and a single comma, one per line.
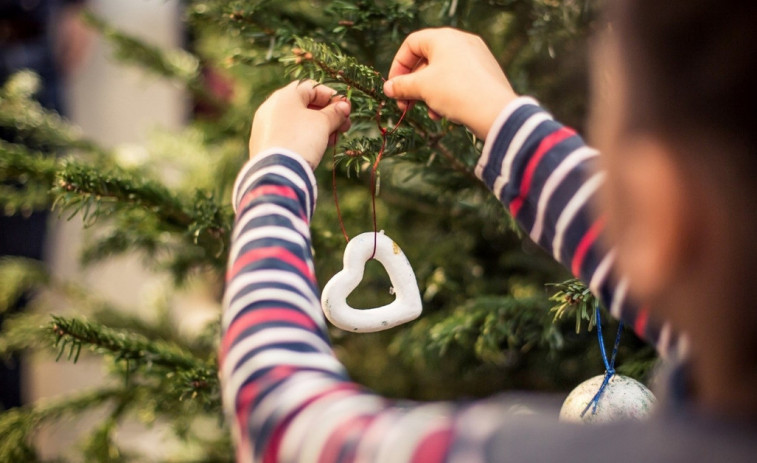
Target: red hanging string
(384,135)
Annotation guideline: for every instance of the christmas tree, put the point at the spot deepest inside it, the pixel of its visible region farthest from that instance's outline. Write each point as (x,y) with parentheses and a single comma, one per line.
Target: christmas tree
(493,319)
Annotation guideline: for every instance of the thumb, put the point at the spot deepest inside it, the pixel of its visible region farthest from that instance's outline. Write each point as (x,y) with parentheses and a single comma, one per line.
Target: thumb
(405,87)
(336,114)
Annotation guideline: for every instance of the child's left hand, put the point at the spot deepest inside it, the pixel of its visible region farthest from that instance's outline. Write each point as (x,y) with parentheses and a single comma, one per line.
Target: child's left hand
(303,117)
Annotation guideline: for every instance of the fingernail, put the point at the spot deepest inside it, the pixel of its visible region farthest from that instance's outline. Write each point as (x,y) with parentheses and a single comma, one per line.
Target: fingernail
(344,107)
(389,88)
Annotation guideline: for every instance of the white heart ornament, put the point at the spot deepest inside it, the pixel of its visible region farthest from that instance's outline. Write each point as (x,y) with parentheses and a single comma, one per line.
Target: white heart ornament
(406,305)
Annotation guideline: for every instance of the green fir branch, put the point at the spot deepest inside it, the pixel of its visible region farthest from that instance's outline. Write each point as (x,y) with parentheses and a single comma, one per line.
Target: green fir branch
(21,165)
(486,328)
(71,334)
(19,425)
(328,64)
(175,64)
(19,275)
(574,296)
(35,125)
(96,194)
(23,332)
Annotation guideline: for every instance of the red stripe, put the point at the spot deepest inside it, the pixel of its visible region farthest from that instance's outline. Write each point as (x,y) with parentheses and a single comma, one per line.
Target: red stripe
(262,190)
(271,454)
(640,324)
(263,315)
(339,437)
(434,447)
(248,393)
(546,144)
(585,244)
(276,252)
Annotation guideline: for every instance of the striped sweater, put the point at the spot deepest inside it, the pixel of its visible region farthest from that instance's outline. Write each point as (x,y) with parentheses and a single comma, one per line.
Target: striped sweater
(287,395)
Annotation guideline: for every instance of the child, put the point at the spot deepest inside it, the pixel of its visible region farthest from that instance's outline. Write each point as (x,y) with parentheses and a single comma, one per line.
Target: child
(675,189)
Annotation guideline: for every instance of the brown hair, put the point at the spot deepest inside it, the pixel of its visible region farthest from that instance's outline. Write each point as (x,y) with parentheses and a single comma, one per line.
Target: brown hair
(692,68)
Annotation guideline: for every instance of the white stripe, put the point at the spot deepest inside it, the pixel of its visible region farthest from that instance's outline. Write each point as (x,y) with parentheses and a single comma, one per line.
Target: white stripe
(270,209)
(619,297)
(275,405)
(683,347)
(374,436)
(272,335)
(474,425)
(294,280)
(290,395)
(602,272)
(280,357)
(268,231)
(496,127)
(579,200)
(275,295)
(282,171)
(402,440)
(272,152)
(309,432)
(515,146)
(663,344)
(553,182)
(237,182)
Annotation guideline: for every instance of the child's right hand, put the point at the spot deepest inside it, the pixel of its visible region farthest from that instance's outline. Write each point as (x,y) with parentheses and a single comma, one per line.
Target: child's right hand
(454,73)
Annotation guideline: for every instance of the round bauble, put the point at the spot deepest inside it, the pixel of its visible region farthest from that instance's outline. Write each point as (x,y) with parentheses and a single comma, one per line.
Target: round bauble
(624,398)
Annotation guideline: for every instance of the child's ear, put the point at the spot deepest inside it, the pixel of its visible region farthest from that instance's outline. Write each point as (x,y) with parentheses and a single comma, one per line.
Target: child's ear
(655,234)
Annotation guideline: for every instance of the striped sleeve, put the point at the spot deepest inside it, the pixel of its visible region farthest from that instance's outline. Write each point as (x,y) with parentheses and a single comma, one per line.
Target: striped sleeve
(547,177)
(286,395)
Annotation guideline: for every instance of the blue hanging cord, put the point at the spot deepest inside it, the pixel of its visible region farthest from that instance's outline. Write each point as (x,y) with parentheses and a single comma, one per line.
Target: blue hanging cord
(609,365)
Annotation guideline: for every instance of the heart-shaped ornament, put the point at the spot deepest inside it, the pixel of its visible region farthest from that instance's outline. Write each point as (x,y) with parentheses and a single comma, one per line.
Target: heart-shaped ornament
(406,305)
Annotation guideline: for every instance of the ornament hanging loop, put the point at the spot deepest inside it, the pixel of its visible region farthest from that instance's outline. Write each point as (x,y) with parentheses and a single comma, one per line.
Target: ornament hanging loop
(609,365)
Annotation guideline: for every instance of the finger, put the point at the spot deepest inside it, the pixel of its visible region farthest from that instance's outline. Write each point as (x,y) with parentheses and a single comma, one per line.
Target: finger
(415,48)
(435,116)
(346,125)
(336,114)
(406,87)
(313,94)
(405,105)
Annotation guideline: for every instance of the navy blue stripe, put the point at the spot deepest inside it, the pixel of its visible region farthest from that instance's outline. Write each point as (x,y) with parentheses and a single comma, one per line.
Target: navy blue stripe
(576,230)
(286,161)
(293,346)
(493,168)
(276,180)
(592,259)
(547,165)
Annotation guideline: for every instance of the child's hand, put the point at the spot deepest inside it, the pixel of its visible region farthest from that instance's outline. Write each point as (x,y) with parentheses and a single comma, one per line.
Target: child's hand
(454,73)
(303,117)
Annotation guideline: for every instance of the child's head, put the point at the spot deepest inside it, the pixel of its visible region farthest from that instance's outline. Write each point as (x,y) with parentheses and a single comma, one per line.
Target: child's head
(675,87)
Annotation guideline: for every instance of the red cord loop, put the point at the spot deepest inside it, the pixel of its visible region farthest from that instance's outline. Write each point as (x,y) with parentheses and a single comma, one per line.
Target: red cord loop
(384,135)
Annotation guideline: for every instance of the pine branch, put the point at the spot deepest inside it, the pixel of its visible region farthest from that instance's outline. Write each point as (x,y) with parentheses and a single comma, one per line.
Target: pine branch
(23,332)
(253,19)
(21,164)
(34,125)
(485,327)
(19,275)
(95,194)
(25,179)
(18,425)
(574,296)
(88,190)
(324,63)
(73,333)
(176,64)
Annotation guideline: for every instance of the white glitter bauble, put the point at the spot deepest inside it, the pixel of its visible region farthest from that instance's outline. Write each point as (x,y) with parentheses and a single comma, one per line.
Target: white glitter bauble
(624,398)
